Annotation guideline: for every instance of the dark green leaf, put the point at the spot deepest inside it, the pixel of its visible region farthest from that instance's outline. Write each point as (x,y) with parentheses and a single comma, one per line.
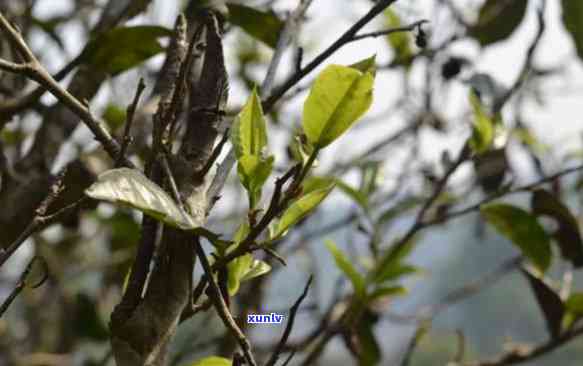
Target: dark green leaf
(497,20)
(121,49)
(573,21)
(574,303)
(369,351)
(568,236)
(343,263)
(87,321)
(549,302)
(264,26)
(523,230)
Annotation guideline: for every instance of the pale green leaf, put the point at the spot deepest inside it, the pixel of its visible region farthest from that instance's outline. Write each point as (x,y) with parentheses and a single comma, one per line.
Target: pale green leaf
(483,127)
(400,42)
(367,65)
(256,269)
(253,171)
(249,133)
(523,230)
(339,97)
(129,187)
(387,291)
(343,263)
(300,208)
(236,269)
(213,361)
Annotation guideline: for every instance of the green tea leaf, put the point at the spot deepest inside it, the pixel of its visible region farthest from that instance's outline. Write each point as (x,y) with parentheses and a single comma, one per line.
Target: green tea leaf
(249,134)
(573,21)
(391,265)
(130,187)
(264,26)
(339,97)
(549,302)
(497,20)
(253,173)
(567,235)
(299,209)
(366,65)
(483,127)
(387,291)
(400,42)
(243,269)
(213,361)
(574,303)
(343,263)
(120,49)
(523,230)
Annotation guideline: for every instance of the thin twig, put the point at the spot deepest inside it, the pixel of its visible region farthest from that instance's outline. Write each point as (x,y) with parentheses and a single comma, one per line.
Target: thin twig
(406,28)
(222,308)
(35,71)
(22,283)
(131,110)
(378,8)
(290,323)
(289,31)
(41,219)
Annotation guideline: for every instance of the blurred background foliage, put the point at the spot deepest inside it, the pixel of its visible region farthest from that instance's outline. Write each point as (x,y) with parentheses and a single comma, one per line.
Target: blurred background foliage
(386,168)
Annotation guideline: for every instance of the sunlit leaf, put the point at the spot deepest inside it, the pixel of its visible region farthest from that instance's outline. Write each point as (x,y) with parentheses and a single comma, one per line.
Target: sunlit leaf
(129,187)
(338,98)
(300,208)
(249,134)
(256,269)
(367,65)
(497,20)
(549,302)
(264,26)
(212,361)
(236,270)
(120,49)
(243,269)
(567,235)
(253,172)
(343,263)
(523,230)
